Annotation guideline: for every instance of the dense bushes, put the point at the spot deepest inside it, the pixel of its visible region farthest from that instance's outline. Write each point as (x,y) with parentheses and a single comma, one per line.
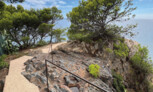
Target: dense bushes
(6,44)
(118,82)
(26,27)
(94,70)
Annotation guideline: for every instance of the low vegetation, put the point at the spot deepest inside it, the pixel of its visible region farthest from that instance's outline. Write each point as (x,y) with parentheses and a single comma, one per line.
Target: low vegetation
(141,61)
(121,49)
(3,64)
(94,70)
(118,82)
(91,21)
(41,43)
(108,50)
(143,67)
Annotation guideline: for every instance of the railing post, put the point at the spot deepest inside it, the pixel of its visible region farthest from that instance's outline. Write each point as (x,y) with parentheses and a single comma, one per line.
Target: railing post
(47,75)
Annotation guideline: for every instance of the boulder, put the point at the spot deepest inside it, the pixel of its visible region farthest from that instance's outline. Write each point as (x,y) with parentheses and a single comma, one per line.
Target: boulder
(54,75)
(74,89)
(29,68)
(71,81)
(64,89)
(39,65)
(26,75)
(42,79)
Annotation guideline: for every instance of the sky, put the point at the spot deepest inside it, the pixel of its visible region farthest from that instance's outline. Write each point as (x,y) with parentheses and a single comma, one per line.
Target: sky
(144,7)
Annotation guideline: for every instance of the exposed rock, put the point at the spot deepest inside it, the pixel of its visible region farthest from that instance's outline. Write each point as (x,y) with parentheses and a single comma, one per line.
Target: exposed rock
(106,76)
(29,68)
(42,79)
(38,65)
(28,62)
(27,76)
(58,88)
(71,81)
(1,85)
(36,72)
(65,88)
(74,89)
(54,75)
(70,58)
(133,47)
(101,84)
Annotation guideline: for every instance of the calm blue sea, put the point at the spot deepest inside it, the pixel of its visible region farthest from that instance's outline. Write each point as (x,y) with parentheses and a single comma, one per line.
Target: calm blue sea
(144,29)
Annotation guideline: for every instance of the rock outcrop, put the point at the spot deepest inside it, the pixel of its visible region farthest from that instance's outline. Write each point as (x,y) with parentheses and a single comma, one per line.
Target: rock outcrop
(76,57)
(59,80)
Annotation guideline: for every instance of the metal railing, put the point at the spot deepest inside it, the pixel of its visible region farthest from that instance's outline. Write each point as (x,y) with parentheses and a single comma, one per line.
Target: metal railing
(73,75)
(66,71)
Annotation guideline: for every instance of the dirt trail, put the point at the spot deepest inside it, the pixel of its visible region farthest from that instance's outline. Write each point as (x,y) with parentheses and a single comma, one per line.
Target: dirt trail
(15,81)
(46,49)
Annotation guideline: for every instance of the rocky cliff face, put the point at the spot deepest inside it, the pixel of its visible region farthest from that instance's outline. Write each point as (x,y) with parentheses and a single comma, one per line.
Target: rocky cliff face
(76,57)
(60,80)
(119,65)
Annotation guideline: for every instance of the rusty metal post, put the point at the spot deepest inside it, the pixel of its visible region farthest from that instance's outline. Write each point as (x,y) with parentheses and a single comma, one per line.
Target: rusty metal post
(47,75)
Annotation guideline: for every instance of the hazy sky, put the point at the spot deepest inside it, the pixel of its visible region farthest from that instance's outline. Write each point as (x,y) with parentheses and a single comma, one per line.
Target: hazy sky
(144,7)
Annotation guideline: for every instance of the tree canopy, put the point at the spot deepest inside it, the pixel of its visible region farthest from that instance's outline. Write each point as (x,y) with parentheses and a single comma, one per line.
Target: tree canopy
(93,19)
(26,27)
(13,1)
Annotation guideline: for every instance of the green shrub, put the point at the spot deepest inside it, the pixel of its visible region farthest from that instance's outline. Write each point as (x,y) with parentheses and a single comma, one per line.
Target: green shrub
(118,82)
(143,67)
(79,36)
(109,50)
(6,43)
(150,87)
(121,49)
(94,70)
(3,64)
(141,62)
(41,43)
